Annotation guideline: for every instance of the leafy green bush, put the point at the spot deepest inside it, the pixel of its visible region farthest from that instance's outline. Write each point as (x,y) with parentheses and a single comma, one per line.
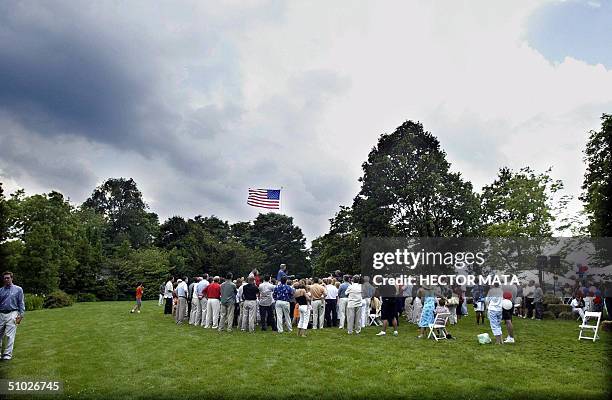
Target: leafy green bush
(58,299)
(33,302)
(552,299)
(570,316)
(559,308)
(108,290)
(86,297)
(548,315)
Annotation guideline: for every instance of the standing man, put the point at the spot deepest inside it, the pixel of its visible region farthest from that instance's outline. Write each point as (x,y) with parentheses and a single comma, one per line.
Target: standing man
(200,291)
(12,310)
(182,292)
(343,301)
(189,299)
(528,292)
(228,302)
(318,293)
(250,292)
(168,289)
(266,288)
(162,289)
(195,312)
(281,272)
(367,292)
(282,294)
(538,302)
(331,314)
(213,293)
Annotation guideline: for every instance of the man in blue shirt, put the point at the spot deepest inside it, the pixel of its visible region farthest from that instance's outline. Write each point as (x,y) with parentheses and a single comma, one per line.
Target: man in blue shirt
(343,300)
(282,294)
(12,310)
(281,272)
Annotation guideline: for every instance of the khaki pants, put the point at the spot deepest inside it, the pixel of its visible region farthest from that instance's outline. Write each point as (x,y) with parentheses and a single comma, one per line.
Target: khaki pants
(342,302)
(8,329)
(181,311)
(196,313)
(249,309)
(203,306)
(212,313)
(282,310)
(318,313)
(354,319)
(227,316)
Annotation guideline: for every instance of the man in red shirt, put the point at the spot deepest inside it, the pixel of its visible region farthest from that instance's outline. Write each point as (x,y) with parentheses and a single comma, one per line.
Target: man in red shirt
(213,293)
(139,291)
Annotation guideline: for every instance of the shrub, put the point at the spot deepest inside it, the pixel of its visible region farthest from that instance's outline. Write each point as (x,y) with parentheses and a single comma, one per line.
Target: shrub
(58,299)
(552,299)
(548,315)
(570,316)
(559,308)
(108,290)
(86,297)
(33,302)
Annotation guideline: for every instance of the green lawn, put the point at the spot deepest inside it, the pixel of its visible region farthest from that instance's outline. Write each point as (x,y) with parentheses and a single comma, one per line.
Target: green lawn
(100,350)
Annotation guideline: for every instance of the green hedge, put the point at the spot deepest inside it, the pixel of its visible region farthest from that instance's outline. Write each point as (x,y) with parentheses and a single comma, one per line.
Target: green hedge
(570,316)
(558,308)
(552,299)
(33,302)
(58,299)
(548,315)
(86,297)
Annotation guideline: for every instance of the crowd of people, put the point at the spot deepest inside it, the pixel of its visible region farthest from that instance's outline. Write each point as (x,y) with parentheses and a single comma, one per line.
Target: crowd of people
(346,302)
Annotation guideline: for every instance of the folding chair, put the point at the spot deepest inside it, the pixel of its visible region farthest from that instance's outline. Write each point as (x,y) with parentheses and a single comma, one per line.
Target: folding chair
(586,326)
(375,318)
(439,323)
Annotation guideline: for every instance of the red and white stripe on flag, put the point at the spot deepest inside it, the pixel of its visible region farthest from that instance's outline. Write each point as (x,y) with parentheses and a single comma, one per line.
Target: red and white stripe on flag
(264,198)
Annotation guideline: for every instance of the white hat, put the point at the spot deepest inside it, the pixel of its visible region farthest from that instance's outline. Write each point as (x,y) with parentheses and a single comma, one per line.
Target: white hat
(179,281)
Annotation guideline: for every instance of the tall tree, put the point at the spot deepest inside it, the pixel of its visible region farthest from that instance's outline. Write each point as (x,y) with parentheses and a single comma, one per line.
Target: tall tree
(282,242)
(120,201)
(4,227)
(408,190)
(597,184)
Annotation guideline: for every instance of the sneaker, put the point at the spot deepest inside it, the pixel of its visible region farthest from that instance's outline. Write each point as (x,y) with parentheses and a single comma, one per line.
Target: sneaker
(509,340)
(532,317)
(395,333)
(420,337)
(381,333)
(138,311)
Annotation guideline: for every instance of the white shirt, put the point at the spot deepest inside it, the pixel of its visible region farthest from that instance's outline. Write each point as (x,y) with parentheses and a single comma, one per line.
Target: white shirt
(354,295)
(182,289)
(332,292)
(239,293)
(265,294)
(169,289)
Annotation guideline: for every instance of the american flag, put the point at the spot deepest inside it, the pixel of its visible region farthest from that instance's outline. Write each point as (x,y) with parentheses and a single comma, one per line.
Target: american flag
(264,198)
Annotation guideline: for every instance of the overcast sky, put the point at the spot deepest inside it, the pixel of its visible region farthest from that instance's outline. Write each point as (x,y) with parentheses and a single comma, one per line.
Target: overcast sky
(199,101)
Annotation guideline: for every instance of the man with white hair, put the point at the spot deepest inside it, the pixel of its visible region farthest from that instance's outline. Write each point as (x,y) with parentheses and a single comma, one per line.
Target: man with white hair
(213,293)
(195,313)
(181,292)
(200,290)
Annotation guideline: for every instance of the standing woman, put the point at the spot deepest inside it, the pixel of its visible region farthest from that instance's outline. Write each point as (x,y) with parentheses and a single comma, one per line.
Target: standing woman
(417,306)
(302,300)
(353,305)
(427,314)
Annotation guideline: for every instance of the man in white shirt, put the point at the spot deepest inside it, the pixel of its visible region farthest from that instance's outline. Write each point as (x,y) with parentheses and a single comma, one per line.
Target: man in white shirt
(331,301)
(266,307)
(195,313)
(200,287)
(168,295)
(181,292)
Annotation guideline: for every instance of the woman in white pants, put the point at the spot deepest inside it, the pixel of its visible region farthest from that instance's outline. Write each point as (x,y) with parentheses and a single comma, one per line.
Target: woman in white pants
(353,307)
(302,298)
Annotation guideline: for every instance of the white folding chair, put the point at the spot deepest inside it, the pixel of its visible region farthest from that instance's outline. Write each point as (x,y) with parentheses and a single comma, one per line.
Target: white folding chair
(439,323)
(585,326)
(375,317)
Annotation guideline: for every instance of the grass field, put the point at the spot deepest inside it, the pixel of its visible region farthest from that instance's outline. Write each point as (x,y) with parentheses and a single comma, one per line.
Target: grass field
(100,350)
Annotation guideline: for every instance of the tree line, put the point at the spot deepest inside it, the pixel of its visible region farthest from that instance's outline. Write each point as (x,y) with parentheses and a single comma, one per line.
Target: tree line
(408,189)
